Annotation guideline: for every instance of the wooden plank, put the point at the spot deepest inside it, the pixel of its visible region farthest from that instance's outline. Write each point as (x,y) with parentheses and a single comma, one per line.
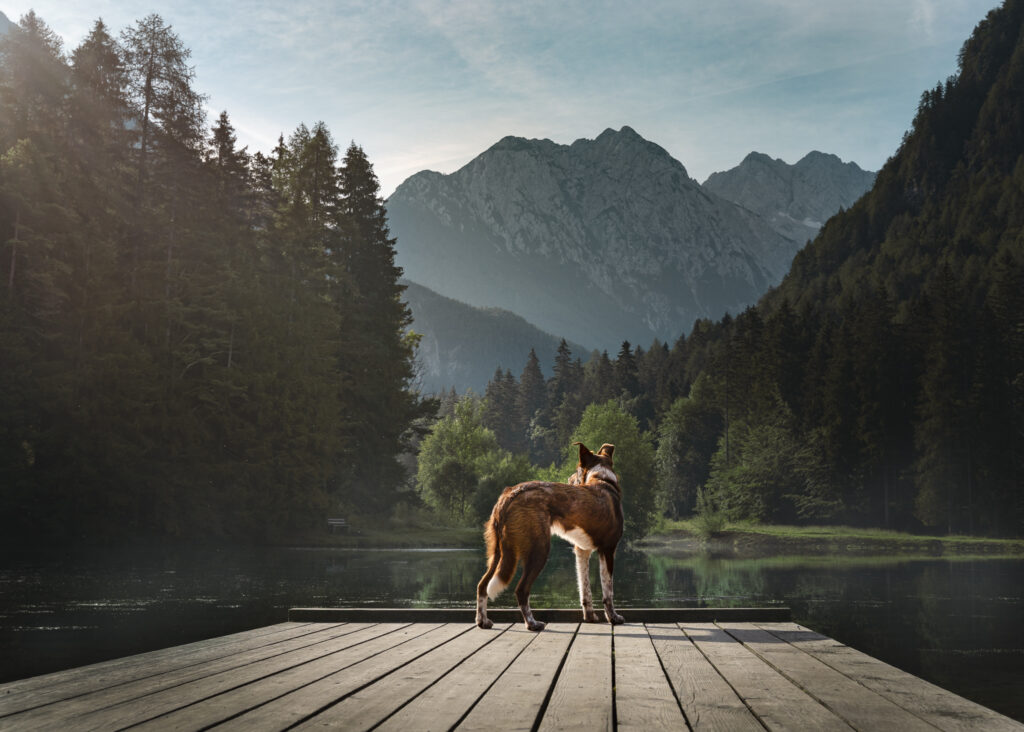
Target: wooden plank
(582,697)
(547,615)
(138,701)
(242,699)
(369,706)
(442,705)
(643,697)
(516,698)
(855,703)
(931,703)
(293,708)
(772,698)
(39,690)
(706,698)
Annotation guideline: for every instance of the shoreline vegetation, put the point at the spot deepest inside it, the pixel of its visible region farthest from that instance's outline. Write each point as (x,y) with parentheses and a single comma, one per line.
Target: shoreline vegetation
(742,540)
(737,540)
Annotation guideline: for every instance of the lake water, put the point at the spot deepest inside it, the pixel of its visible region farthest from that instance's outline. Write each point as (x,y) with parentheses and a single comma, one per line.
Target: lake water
(957,623)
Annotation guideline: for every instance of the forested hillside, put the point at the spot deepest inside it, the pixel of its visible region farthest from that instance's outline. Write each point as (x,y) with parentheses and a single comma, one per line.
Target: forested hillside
(460,345)
(882,383)
(196,341)
(911,308)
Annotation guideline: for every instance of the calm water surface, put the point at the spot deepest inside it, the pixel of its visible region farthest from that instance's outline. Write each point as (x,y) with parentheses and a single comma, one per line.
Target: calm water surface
(957,623)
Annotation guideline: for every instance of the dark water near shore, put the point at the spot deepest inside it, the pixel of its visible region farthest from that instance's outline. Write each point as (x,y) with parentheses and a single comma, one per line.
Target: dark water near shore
(957,623)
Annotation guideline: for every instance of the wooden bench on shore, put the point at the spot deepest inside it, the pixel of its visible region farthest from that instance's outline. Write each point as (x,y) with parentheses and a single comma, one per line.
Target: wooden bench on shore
(337,523)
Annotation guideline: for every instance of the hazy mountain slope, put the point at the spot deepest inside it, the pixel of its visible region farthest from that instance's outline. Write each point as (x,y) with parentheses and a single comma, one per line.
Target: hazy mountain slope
(950,198)
(603,240)
(463,345)
(795,199)
(901,326)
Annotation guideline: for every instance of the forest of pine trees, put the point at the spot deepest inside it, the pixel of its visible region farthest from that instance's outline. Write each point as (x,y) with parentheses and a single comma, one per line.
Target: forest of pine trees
(200,341)
(196,341)
(882,383)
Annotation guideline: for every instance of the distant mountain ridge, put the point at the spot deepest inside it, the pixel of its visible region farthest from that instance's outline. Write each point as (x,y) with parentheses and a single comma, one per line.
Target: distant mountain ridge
(796,200)
(463,345)
(5,23)
(601,241)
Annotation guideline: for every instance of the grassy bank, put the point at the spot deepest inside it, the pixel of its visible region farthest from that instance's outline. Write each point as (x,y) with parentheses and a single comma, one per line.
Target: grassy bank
(754,540)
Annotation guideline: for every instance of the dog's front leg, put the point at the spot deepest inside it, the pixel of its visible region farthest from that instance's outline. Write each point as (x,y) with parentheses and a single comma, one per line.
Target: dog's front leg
(607,593)
(583,580)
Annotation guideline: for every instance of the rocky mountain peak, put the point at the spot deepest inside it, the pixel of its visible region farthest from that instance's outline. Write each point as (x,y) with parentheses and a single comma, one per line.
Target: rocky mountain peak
(814,157)
(756,158)
(795,199)
(610,230)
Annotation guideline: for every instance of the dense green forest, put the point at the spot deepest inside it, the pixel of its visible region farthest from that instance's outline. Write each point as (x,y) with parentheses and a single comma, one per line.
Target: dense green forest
(202,342)
(881,384)
(196,341)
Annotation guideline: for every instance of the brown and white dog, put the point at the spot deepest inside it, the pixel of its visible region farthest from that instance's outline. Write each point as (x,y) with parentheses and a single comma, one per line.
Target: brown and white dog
(586,512)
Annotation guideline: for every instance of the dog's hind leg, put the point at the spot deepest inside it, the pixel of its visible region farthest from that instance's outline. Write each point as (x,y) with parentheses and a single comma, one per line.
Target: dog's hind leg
(607,593)
(481,600)
(500,568)
(583,580)
(533,563)
(483,588)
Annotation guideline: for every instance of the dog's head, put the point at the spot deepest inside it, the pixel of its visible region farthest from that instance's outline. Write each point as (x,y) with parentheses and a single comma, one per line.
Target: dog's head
(595,466)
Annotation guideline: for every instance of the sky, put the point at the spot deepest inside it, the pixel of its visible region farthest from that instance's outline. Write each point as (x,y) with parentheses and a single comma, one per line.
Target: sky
(428,84)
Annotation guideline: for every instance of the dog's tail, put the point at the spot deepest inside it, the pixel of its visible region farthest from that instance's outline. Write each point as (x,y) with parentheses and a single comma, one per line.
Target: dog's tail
(501,560)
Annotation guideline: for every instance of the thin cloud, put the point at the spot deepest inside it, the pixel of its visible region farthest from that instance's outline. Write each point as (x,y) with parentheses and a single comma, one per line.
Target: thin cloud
(432,83)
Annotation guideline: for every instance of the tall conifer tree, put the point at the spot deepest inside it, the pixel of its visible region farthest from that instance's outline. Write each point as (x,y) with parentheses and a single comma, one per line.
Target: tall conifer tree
(376,344)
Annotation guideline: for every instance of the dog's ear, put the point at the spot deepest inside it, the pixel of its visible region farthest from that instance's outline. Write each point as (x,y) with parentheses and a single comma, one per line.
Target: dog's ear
(587,458)
(606,450)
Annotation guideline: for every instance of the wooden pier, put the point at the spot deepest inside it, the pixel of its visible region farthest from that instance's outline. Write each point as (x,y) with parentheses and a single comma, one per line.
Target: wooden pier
(701,669)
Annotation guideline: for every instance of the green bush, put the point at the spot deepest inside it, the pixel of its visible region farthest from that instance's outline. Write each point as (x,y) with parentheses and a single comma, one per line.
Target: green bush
(710,520)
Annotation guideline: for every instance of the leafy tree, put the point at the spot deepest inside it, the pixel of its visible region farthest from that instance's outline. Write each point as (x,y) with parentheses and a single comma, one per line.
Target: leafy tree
(497,470)
(452,459)
(765,467)
(687,439)
(634,461)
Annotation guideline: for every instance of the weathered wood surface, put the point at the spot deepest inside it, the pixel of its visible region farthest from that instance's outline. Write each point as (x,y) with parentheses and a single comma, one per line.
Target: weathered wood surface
(393,675)
(546,615)
(588,667)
